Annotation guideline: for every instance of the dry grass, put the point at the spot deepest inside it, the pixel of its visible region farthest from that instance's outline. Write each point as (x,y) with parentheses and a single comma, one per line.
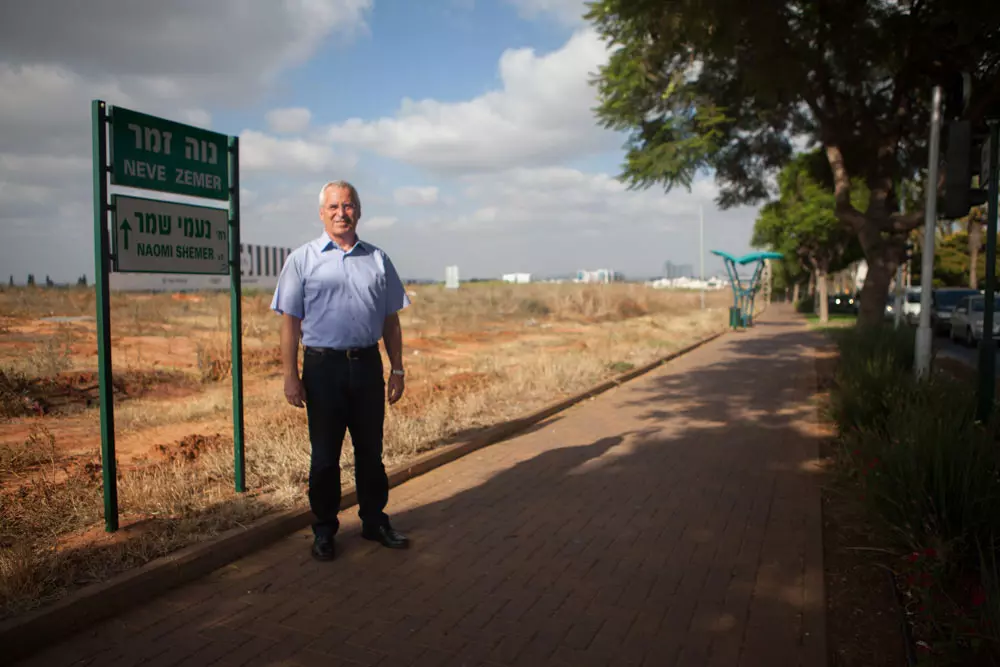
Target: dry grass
(480,355)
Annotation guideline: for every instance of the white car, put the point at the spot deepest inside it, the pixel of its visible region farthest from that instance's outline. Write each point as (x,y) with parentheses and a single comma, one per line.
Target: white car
(911,306)
(967,320)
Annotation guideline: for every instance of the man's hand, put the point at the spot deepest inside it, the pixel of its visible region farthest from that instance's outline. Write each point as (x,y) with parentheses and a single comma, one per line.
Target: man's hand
(396,386)
(295,392)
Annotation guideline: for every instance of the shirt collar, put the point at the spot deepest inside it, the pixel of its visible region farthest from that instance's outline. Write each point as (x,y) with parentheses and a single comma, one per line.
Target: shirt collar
(324,243)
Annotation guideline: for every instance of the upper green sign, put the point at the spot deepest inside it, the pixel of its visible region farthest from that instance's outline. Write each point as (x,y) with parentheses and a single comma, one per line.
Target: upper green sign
(156,154)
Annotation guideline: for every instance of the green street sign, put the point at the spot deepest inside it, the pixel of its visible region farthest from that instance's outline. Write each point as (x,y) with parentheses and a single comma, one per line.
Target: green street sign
(157,154)
(153,236)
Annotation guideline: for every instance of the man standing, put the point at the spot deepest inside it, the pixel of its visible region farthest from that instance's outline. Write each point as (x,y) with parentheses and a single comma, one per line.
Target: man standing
(340,295)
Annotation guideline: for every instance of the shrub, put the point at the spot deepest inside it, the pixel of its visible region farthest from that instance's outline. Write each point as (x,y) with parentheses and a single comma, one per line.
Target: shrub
(931,473)
(928,469)
(874,374)
(15,395)
(535,307)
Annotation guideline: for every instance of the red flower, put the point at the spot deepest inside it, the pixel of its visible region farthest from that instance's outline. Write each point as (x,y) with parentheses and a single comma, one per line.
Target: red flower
(930,552)
(978,596)
(914,557)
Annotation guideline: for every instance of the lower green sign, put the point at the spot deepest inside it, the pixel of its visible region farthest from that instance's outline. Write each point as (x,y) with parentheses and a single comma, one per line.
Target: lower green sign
(153,236)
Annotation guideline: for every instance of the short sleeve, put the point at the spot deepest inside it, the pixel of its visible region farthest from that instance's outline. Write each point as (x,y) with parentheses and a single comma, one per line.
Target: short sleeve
(396,298)
(288,295)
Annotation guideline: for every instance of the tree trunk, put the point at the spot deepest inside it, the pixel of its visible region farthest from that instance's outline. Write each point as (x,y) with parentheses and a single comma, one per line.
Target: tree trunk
(795,294)
(975,240)
(875,291)
(823,296)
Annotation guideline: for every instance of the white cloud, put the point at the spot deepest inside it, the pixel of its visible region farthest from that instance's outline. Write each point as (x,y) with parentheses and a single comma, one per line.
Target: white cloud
(555,220)
(378,222)
(415,196)
(569,12)
(173,59)
(542,114)
(291,120)
(259,151)
(566,198)
(180,48)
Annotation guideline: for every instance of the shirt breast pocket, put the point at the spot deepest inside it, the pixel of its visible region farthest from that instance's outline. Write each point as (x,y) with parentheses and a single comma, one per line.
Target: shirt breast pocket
(376,292)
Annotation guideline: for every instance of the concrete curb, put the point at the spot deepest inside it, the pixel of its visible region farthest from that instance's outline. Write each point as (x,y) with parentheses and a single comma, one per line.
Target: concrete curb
(27,634)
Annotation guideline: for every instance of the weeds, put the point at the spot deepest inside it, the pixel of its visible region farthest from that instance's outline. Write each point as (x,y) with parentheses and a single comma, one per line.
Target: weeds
(15,395)
(38,448)
(485,367)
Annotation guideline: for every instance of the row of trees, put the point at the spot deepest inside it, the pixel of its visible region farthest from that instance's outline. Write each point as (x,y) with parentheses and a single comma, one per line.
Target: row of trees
(81,281)
(730,87)
(802,225)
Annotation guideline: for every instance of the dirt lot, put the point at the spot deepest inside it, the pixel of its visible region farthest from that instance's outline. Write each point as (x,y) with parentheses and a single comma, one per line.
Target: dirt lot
(475,357)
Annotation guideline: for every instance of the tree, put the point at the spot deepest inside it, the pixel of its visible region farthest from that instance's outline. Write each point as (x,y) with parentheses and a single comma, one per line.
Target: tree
(728,86)
(803,225)
(974,228)
(31,279)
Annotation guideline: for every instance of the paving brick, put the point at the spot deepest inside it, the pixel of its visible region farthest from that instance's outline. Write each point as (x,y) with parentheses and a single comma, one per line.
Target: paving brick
(657,524)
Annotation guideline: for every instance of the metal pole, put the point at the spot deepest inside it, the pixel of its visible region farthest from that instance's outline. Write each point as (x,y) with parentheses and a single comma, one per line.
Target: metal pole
(987,347)
(922,358)
(236,314)
(897,302)
(109,469)
(701,252)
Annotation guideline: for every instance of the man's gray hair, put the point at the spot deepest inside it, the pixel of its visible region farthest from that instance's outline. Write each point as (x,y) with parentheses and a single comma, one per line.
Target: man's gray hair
(353,191)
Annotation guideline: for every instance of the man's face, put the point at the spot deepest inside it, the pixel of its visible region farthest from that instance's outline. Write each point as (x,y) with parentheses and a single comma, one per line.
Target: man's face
(339,214)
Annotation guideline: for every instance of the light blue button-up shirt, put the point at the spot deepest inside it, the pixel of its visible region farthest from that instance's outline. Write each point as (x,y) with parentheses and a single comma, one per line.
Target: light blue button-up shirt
(341,297)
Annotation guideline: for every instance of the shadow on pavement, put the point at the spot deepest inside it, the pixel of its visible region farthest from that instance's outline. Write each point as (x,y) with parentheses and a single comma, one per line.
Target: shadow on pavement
(675,521)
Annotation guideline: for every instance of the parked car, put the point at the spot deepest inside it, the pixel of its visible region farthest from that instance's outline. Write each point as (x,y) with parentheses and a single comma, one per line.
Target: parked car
(967,320)
(943,302)
(842,303)
(911,306)
(890,306)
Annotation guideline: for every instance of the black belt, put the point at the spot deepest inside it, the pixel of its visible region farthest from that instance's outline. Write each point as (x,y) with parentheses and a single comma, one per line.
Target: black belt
(349,353)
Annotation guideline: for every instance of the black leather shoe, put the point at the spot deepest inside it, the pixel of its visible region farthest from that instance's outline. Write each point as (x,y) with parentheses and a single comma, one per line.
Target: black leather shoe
(386,536)
(323,548)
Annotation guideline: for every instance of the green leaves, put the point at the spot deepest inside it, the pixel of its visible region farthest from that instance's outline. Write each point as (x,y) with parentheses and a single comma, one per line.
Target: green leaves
(726,85)
(802,223)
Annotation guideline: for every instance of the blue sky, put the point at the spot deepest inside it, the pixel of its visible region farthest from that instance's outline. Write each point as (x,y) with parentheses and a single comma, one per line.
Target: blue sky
(465,124)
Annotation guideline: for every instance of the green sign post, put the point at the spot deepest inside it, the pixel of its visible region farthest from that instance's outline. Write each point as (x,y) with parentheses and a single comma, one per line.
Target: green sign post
(151,235)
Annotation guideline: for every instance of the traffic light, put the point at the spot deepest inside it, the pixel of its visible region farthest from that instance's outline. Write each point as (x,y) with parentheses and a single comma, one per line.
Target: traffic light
(962,163)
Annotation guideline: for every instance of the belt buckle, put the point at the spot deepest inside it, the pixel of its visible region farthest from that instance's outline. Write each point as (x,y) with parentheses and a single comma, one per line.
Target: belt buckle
(351,353)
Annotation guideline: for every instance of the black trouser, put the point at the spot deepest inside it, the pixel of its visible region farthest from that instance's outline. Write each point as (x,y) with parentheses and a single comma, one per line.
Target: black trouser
(345,393)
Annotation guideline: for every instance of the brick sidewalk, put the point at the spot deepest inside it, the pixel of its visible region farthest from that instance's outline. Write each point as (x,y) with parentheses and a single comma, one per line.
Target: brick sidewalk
(671,521)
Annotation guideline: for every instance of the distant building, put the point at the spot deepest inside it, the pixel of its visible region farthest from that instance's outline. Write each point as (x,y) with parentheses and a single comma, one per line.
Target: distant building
(598,276)
(712,283)
(451,277)
(518,278)
(678,270)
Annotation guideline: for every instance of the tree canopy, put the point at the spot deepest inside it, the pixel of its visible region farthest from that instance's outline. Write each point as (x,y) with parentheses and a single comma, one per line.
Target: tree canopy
(731,86)
(802,223)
